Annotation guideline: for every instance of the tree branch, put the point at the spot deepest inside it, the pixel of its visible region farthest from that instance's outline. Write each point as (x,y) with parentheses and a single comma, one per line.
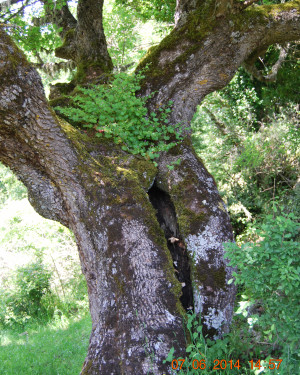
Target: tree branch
(203,53)
(52,68)
(91,33)
(84,184)
(272,76)
(29,130)
(19,11)
(281,22)
(62,16)
(86,44)
(220,125)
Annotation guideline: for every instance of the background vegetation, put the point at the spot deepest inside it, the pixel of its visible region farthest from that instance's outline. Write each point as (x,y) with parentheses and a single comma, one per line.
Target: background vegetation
(248,137)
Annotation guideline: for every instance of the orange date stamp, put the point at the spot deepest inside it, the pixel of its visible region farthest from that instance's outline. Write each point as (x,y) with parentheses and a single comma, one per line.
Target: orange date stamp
(222,364)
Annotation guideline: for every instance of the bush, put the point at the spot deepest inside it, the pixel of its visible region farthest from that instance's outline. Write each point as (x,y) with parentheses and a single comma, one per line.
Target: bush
(222,357)
(269,272)
(29,296)
(114,111)
(251,149)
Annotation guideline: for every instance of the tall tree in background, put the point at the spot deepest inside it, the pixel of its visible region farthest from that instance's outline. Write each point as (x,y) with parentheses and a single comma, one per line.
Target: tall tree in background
(149,238)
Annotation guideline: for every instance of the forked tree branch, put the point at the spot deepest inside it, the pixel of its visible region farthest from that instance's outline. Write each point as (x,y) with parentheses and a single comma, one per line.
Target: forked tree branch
(203,54)
(272,76)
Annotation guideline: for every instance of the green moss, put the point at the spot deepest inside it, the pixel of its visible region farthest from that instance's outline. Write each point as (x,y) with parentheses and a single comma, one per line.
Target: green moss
(87,368)
(199,24)
(219,277)
(199,273)
(64,51)
(120,284)
(204,274)
(189,221)
(261,15)
(61,101)
(145,170)
(14,56)
(242,20)
(275,9)
(86,71)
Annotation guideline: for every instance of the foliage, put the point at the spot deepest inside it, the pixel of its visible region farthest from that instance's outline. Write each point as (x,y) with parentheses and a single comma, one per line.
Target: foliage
(266,323)
(31,250)
(160,10)
(114,111)
(121,31)
(205,356)
(31,37)
(35,39)
(128,35)
(28,297)
(285,88)
(251,149)
(269,272)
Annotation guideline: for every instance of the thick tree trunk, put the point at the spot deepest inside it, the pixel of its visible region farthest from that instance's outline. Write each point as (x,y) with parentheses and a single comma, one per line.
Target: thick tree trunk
(123,211)
(149,239)
(85,42)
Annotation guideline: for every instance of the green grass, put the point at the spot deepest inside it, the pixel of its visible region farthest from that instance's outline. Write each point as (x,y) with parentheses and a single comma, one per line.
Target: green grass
(56,349)
(59,347)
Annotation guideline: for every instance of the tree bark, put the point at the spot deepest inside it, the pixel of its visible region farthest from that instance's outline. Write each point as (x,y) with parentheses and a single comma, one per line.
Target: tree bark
(203,52)
(113,202)
(86,44)
(138,226)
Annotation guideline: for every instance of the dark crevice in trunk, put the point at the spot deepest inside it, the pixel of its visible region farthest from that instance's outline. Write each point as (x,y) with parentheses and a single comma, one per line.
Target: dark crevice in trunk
(166,216)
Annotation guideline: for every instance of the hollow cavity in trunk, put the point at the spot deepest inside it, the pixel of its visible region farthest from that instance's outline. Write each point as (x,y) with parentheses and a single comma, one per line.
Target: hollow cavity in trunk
(166,216)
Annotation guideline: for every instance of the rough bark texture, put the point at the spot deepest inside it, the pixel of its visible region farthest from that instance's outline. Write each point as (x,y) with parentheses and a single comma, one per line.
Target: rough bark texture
(204,51)
(100,193)
(204,226)
(86,43)
(149,239)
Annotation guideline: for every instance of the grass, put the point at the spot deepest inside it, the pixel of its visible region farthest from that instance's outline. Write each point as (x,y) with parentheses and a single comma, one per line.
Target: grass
(59,347)
(56,349)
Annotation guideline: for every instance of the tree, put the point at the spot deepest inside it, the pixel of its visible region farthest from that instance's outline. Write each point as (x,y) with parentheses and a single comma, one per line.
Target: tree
(137,225)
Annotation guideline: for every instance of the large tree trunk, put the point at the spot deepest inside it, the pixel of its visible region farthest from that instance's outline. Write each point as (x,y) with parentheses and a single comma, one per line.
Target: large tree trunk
(122,211)
(149,239)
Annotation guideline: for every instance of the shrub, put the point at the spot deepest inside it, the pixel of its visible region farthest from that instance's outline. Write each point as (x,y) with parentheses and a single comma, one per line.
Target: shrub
(29,296)
(269,272)
(114,111)
(208,357)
